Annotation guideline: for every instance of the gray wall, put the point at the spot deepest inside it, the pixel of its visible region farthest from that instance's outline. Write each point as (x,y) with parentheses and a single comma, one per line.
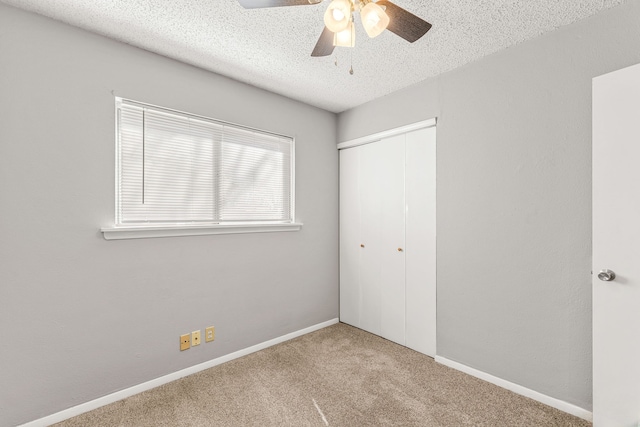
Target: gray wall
(81,317)
(514,199)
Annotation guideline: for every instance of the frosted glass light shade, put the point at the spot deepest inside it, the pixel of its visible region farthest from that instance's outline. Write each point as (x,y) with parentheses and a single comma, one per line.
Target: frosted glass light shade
(346,37)
(374,19)
(338,15)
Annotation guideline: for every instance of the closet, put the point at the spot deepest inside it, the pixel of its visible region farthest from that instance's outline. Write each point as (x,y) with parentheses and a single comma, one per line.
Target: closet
(387,235)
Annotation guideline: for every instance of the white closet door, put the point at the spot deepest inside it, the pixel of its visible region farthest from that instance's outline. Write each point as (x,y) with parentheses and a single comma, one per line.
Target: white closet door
(392,237)
(387,238)
(349,237)
(421,240)
(370,182)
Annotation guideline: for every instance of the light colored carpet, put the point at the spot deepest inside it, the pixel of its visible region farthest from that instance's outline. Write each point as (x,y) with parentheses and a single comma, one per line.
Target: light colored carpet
(338,376)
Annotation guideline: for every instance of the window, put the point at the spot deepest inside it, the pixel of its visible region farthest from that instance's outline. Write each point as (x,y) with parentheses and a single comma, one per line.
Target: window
(176,169)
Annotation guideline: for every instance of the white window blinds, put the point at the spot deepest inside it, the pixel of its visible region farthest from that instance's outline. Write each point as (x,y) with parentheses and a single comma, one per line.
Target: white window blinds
(176,168)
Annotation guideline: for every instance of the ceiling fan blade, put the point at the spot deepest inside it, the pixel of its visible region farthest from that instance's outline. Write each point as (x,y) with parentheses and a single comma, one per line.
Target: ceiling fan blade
(259,4)
(403,23)
(325,46)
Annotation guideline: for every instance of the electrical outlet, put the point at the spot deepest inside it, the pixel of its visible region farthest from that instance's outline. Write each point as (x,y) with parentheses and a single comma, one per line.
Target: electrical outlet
(185,342)
(210,334)
(195,338)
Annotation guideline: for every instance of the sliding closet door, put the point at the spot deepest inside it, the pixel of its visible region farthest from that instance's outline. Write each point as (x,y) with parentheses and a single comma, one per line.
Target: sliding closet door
(421,240)
(391,196)
(350,237)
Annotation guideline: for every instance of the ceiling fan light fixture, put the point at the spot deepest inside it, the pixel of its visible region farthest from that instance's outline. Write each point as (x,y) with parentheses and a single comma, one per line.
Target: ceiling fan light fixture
(338,15)
(346,37)
(374,19)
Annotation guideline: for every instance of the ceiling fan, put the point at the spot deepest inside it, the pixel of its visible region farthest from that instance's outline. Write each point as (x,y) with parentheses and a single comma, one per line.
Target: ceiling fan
(339,29)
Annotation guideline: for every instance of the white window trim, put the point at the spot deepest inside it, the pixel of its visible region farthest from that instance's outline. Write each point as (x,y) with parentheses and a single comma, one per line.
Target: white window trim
(123,232)
(145,232)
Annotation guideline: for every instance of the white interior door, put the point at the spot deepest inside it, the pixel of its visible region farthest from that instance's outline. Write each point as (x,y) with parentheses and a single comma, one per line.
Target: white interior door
(350,237)
(370,181)
(420,183)
(387,237)
(391,196)
(616,246)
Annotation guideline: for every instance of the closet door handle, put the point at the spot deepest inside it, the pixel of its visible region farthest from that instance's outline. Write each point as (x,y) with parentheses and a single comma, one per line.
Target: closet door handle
(399,249)
(361,245)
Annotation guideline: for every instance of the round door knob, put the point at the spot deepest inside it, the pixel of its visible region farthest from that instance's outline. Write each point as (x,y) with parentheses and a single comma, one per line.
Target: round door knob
(399,249)
(606,275)
(361,245)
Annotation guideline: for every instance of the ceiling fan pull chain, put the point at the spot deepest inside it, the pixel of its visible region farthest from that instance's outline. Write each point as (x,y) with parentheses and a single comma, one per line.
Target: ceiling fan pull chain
(351,70)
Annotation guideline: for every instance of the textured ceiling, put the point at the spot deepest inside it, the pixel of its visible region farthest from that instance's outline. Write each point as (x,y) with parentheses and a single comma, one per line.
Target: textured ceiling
(270,48)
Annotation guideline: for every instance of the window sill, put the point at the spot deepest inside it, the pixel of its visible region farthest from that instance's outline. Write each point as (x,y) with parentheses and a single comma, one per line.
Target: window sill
(146,232)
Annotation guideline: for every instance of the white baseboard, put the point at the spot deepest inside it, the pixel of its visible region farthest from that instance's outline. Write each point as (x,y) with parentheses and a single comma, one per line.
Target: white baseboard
(542,398)
(119,395)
